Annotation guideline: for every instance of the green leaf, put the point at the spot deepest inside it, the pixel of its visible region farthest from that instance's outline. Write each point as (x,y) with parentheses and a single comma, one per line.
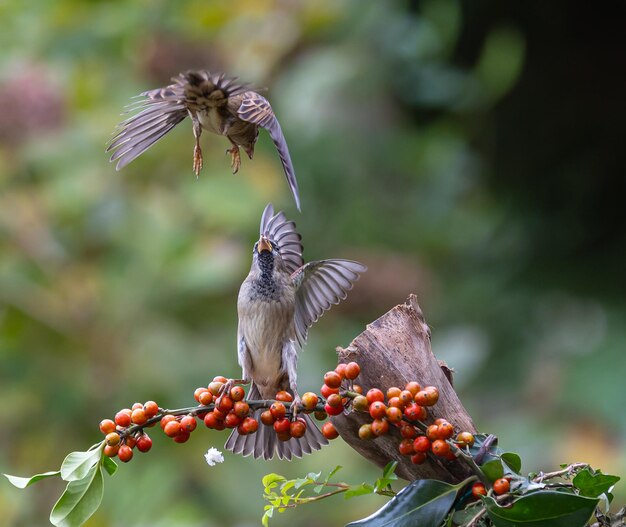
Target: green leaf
(493,469)
(109,465)
(593,485)
(543,508)
(285,487)
(272,480)
(388,471)
(77,464)
(424,502)
(332,473)
(80,500)
(269,512)
(513,461)
(318,489)
(302,481)
(359,490)
(22,483)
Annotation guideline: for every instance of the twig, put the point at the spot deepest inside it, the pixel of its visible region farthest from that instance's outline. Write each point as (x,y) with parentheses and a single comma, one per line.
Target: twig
(570,469)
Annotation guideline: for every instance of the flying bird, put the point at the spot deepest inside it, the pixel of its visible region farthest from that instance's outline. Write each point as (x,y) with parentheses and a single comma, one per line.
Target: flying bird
(215,103)
(281,298)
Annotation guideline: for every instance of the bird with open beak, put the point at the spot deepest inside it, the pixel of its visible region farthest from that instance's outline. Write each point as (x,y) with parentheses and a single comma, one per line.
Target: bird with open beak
(215,103)
(279,301)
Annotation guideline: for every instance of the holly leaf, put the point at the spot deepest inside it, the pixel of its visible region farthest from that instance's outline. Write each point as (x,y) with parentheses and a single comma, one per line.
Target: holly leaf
(76,465)
(22,483)
(538,509)
(80,500)
(592,484)
(512,461)
(424,502)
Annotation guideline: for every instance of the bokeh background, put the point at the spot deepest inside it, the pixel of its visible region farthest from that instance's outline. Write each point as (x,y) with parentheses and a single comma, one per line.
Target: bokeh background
(470,152)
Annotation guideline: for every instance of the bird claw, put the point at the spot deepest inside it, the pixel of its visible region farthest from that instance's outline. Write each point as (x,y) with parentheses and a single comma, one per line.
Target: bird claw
(235,158)
(227,386)
(294,405)
(197,159)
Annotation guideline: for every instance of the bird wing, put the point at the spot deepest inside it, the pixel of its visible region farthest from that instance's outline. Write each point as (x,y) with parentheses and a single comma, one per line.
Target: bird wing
(256,109)
(319,285)
(282,233)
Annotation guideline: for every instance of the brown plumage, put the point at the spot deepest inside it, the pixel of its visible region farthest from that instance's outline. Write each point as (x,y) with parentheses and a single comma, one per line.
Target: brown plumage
(214,103)
(278,302)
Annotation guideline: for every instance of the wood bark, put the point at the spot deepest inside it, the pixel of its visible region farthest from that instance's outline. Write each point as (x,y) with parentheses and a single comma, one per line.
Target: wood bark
(392,351)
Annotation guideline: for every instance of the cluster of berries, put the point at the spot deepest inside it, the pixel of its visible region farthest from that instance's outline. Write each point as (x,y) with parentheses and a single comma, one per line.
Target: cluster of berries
(500,486)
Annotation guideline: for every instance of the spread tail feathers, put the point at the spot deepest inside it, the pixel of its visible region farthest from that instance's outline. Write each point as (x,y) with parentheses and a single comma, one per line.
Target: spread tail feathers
(264,442)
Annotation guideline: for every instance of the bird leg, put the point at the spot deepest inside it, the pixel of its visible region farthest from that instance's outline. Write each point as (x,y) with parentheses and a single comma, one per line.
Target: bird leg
(225,389)
(296,401)
(197,151)
(290,363)
(235,156)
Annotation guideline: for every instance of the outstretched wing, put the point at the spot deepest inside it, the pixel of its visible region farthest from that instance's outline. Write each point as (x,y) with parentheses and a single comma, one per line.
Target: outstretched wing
(256,109)
(320,285)
(282,233)
(160,111)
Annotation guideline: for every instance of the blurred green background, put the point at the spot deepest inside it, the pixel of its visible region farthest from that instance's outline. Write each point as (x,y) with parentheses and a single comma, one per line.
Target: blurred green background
(470,152)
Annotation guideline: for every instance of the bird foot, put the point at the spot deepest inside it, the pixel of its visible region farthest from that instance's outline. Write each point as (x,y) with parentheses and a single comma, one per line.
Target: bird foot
(294,404)
(197,159)
(235,158)
(225,389)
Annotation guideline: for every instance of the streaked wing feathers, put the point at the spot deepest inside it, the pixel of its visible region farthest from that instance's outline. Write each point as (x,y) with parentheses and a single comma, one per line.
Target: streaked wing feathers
(282,233)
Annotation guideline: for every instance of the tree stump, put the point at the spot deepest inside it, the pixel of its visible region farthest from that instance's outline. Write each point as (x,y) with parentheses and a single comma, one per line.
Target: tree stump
(392,351)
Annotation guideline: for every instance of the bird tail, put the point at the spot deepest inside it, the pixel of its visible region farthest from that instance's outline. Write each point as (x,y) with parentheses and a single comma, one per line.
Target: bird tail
(264,442)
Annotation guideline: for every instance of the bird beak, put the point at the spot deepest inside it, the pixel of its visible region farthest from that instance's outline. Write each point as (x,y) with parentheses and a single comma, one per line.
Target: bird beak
(264,244)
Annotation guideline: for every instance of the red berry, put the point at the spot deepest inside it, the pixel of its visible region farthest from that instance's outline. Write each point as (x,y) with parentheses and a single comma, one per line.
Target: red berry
(414,412)
(267,418)
(172,429)
(283,436)
(408,431)
(321,415)
(131,441)
(139,416)
(232,420)
(282,425)
(406,447)
(327,391)
(205,398)
(310,400)
(501,486)
(394,415)
(432,432)
(352,370)
(332,379)
(446,430)
(188,423)
(151,408)
(220,378)
(440,447)
(284,396)
(225,405)
(380,427)
(135,406)
(374,395)
(334,399)
(241,409)
(182,437)
(341,370)
(329,431)
(144,443)
(166,419)
(112,439)
(212,421)
(427,397)
(278,410)
(365,431)
(122,418)
(413,387)
(418,458)
(405,397)
(107,426)
(250,425)
(478,490)
(125,453)
(198,391)
(421,444)
(111,451)
(333,410)
(237,393)
(356,388)
(378,410)
(297,428)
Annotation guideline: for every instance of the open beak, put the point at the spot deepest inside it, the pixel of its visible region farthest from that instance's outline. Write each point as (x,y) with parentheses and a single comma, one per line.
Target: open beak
(264,244)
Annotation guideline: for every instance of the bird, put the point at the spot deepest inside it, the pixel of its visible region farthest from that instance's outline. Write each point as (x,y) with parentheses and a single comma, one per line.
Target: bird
(215,103)
(280,299)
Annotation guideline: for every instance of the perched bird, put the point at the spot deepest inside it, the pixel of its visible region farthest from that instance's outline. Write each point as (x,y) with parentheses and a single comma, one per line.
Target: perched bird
(215,103)
(279,301)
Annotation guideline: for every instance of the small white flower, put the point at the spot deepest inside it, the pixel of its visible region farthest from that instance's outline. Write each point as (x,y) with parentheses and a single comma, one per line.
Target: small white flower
(213,456)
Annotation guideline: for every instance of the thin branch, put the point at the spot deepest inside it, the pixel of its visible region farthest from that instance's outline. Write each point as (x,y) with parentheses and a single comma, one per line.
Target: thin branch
(567,471)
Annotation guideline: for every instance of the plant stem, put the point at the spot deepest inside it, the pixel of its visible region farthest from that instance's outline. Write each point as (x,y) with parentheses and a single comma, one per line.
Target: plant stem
(570,469)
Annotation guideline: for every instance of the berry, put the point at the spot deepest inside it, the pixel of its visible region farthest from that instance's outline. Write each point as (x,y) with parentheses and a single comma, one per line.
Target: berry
(151,408)
(408,431)
(205,398)
(427,397)
(284,396)
(329,431)
(166,419)
(360,404)
(378,410)
(278,410)
(332,379)
(365,431)
(107,426)
(380,427)
(220,378)
(327,391)
(405,397)
(440,447)
(406,447)
(352,370)
(215,387)
(125,453)
(188,423)
(172,428)
(297,428)
(413,387)
(250,425)
(334,399)
(422,444)
(465,439)
(144,443)
(392,392)
(310,400)
(225,405)
(501,486)
(321,415)
(198,391)
(418,458)
(333,410)
(358,389)
(282,425)
(446,430)
(341,370)
(232,420)
(131,441)
(374,395)
(432,432)
(111,451)
(241,409)
(182,437)
(283,436)
(267,418)
(237,393)
(122,418)
(139,416)
(394,415)
(135,406)
(395,402)
(112,439)
(478,490)
(414,412)
(212,420)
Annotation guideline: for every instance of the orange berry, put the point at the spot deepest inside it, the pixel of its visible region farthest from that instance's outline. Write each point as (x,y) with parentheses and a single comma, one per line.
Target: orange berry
(352,370)
(151,408)
(432,432)
(237,393)
(478,490)
(198,391)
(267,418)
(408,431)
(418,458)
(211,420)
(358,389)
(329,431)
(166,419)
(413,387)
(144,443)
(172,429)
(122,418)
(380,427)
(282,425)
(394,415)
(188,423)
(125,453)
(406,447)
(241,409)
(333,410)
(378,410)
(182,437)
(225,404)
(112,439)
(327,391)
(220,378)
(332,379)
(422,444)
(232,420)
(297,428)
(284,396)
(111,451)
(310,400)
(341,370)
(107,426)
(405,397)
(414,412)
(501,486)
(334,399)
(440,447)
(135,406)
(139,416)
(392,392)
(205,398)
(374,395)
(465,439)
(365,431)
(395,402)
(130,441)
(446,430)
(250,425)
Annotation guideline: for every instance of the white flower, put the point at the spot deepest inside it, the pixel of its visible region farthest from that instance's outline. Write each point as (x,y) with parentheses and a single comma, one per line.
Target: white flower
(213,456)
